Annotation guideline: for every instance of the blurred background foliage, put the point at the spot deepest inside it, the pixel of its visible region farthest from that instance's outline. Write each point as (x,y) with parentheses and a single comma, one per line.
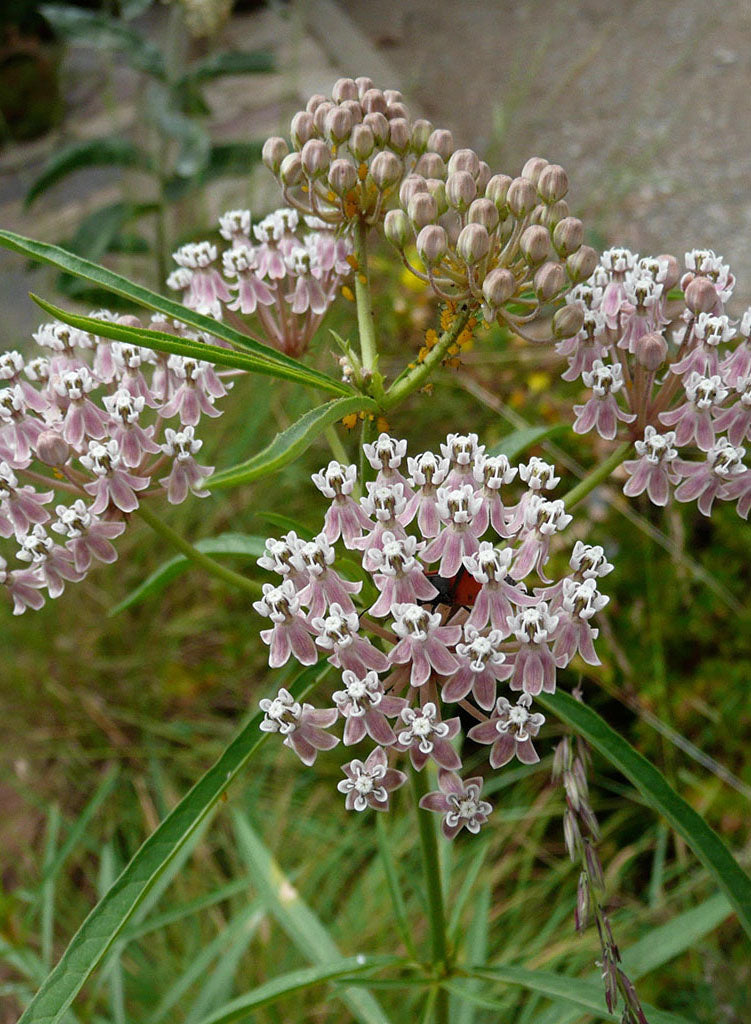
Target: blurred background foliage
(106,720)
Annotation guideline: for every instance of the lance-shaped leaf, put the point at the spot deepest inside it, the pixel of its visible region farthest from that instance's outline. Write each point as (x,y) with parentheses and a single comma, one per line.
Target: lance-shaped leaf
(252,362)
(519,441)
(239,544)
(291,442)
(107,152)
(104,33)
(119,285)
(105,923)
(657,792)
(230,62)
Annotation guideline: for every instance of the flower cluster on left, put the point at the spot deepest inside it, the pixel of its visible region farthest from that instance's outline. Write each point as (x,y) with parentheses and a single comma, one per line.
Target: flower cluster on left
(89,419)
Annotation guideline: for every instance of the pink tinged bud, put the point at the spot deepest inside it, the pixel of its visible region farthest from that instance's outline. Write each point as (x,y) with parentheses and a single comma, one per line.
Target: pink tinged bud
(552,183)
(290,170)
(498,287)
(473,243)
(521,197)
(441,141)
(484,212)
(431,165)
(672,272)
(422,209)
(397,228)
(651,350)
(52,449)
(533,169)
(567,322)
(314,102)
(581,265)
(701,295)
(553,214)
(345,89)
(315,157)
(302,129)
(274,151)
(460,190)
(363,84)
(379,126)
(496,191)
(319,116)
(451,222)
(437,189)
(432,244)
(464,160)
(374,102)
(568,236)
(413,185)
(397,112)
(342,176)
(483,176)
(549,281)
(338,125)
(361,142)
(535,244)
(385,170)
(399,135)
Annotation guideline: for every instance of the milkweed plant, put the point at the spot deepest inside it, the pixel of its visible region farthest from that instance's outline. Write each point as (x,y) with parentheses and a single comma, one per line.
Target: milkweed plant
(440,594)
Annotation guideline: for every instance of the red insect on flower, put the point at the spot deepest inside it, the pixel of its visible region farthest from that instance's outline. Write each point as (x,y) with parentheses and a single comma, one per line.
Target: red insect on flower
(457,591)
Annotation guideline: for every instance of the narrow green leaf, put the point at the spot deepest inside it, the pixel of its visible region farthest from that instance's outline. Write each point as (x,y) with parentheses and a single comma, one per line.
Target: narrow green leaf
(104,33)
(294,981)
(240,544)
(81,823)
(48,886)
(103,926)
(705,842)
(291,442)
(476,951)
(297,919)
(398,905)
(118,285)
(519,441)
(230,62)
(162,342)
(114,969)
(106,152)
(226,159)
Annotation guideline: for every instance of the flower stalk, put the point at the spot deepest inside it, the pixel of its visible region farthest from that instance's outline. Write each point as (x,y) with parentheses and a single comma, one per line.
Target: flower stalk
(597,476)
(365,318)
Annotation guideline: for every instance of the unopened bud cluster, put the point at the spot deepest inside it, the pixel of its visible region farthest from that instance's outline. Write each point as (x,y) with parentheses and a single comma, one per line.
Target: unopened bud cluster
(409,648)
(675,382)
(285,269)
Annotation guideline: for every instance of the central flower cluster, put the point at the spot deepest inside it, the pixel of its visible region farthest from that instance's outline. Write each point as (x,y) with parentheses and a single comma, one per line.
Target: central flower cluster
(413,647)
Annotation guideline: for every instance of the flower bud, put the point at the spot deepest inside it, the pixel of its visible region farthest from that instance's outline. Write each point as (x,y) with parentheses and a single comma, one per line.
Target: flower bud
(314,102)
(496,190)
(568,235)
(553,214)
(354,109)
(274,151)
(338,125)
(581,264)
(421,131)
(437,189)
(290,170)
(52,448)
(363,84)
(431,165)
(701,295)
(379,126)
(550,281)
(535,244)
(320,114)
(422,209)
(344,89)
(498,287)
(386,169)
(521,197)
(432,244)
(451,222)
(441,141)
(411,186)
(315,158)
(673,273)
(361,142)
(483,211)
(460,189)
(651,350)
(397,228)
(374,102)
(464,160)
(342,176)
(396,111)
(567,322)
(473,243)
(534,168)
(301,128)
(399,135)
(552,183)
(393,96)
(483,176)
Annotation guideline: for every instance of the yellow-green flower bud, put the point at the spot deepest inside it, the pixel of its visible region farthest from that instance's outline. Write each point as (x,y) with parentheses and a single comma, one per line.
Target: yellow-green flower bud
(568,235)
(550,281)
(497,190)
(554,213)
(290,170)
(567,322)
(421,132)
(581,265)
(397,228)
(437,189)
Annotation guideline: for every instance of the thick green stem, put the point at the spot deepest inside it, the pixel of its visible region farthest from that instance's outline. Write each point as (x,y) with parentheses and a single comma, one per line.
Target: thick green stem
(597,476)
(434,892)
(365,319)
(416,377)
(234,579)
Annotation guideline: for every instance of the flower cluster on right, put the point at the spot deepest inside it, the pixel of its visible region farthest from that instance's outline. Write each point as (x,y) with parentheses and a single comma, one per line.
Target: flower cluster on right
(676,380)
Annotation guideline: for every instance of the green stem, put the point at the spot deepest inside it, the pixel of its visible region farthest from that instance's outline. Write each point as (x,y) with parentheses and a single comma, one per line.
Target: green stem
(365,318)
(434,891)
(204,561)
(597,476)
(415,377)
